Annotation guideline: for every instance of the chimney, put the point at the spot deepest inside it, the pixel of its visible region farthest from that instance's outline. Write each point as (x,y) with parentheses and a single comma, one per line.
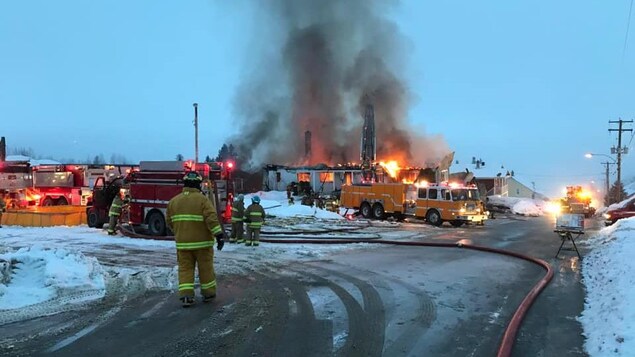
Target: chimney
(3,149)
(307,145)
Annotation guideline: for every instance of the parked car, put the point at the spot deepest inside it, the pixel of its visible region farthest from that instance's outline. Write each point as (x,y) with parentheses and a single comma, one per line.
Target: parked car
(615,214)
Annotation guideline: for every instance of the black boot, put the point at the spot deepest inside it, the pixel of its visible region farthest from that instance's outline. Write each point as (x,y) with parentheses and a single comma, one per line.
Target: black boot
(187,301)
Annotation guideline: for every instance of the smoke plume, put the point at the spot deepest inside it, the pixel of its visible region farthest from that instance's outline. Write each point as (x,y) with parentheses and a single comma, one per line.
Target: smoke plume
(314,66)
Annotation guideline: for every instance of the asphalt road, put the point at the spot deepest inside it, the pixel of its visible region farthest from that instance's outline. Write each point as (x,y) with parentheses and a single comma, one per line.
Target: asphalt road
(379,301)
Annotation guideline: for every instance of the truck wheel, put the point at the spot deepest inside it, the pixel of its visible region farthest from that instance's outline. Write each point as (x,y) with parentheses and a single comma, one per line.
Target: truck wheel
(434,218)
(365,210)
(47,202)
(156,224)
(62,201)
(378,211)
(91,218)
(456,223)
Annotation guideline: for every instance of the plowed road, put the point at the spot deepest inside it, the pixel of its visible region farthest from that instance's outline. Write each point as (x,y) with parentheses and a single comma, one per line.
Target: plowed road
(386,301)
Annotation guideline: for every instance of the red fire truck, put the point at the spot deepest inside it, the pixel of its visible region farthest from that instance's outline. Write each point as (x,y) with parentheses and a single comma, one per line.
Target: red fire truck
(156,182)
(16,181)
(52,184)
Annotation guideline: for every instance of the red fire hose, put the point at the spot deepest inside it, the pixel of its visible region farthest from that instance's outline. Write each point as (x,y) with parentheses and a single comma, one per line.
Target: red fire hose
(509,336)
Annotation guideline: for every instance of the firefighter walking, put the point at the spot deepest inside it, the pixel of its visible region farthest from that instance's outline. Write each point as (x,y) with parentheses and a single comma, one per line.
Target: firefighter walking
(255,218)
(238,212)
(114,213)
(194,220)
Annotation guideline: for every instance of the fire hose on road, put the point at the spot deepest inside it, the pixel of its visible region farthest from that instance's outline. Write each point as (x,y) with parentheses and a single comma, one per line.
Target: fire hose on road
(511,331)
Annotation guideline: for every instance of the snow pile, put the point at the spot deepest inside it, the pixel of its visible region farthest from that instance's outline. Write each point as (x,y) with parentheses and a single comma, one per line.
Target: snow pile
(280,196)
(35,275)
(518,205)
(608,272)
(298,210)
(527,208)
(276,204)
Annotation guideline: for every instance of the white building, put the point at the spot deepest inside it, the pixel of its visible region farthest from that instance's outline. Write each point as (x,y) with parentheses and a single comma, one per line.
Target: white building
(323,179)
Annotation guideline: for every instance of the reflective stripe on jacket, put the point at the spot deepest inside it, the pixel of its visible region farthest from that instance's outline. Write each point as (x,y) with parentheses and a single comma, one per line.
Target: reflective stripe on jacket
(193,219)
(238,211)
(255,215)
(115,206)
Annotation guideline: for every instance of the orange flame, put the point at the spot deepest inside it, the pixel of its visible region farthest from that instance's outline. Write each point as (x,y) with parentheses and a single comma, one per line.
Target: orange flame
(391,167)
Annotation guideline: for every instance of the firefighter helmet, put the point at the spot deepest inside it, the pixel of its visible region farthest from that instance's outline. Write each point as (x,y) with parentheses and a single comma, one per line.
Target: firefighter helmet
(255,199)
(192,176)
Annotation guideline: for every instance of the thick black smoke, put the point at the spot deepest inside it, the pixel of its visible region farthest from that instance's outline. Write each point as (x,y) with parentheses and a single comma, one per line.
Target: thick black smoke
(315,65)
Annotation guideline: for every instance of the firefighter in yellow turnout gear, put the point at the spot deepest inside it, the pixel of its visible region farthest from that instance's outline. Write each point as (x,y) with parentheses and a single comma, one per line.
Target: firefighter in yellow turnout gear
(194,220)
(255,218)
(114,213)
(238,211)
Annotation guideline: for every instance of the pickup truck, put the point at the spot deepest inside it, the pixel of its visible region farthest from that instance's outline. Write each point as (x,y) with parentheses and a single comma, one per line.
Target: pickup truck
(626,210)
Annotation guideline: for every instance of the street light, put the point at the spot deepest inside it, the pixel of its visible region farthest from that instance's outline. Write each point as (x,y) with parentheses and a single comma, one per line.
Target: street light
(608,185)
(590,156)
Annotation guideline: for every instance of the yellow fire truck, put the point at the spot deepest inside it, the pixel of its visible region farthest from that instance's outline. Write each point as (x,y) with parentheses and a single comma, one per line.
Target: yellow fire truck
(436,203)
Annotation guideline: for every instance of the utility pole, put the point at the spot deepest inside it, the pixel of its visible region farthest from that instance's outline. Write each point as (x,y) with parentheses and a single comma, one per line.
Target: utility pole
(620,150)
(608,182)
(195,134)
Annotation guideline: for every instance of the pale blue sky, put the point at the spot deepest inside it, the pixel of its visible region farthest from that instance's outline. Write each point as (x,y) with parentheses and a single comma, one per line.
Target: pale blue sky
(527,84)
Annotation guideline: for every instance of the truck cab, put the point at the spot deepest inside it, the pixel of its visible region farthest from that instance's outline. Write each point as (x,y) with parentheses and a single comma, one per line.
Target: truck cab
(103,193)
(449,203)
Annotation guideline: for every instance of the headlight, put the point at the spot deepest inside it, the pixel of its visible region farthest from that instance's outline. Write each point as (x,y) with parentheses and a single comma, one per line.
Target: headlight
(606,216)
(462,210)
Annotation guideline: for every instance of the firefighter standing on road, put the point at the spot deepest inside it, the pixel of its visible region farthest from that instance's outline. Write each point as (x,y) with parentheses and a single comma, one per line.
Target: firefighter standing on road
(115,212)
(193,219)
(3,206)
(238,212)
(255,217)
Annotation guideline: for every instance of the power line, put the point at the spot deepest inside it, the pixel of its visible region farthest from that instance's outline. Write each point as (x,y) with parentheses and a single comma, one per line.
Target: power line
(631,140)
(628,26)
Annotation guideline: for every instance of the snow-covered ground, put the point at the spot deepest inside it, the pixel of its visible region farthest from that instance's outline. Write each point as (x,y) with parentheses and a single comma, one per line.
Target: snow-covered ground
(609,276)
(276,204)
(44,271)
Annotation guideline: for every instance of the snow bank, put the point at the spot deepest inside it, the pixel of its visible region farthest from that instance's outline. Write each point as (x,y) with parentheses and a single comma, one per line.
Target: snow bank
(608,272)
(34,275)
(280,196)
(522,206)
(298,210)
(527,208)
(276,204)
